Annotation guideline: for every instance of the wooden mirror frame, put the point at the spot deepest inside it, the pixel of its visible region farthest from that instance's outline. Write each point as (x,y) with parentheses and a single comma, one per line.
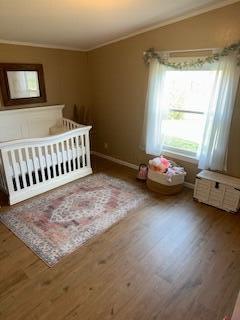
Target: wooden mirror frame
(7,100)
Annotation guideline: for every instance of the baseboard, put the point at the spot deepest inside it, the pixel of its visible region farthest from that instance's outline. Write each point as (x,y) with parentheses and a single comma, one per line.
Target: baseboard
(130,165)
(124,163)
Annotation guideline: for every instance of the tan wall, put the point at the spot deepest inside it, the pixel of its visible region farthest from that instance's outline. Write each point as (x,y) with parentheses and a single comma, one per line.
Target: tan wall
(65,72)
(119,82)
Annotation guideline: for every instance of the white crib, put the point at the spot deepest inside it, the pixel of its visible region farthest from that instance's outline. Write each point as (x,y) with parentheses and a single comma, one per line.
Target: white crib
(30,166)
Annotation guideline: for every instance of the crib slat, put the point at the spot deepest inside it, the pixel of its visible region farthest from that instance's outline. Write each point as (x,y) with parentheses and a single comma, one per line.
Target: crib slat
(29,171)
(40,158)
(1,174)
(63,157)
(58,160)
(78,146)
(2,180)
(34,157)
(20,156)
(73,153)
(47,162)
(87,149)
(53,164)
(68,155)
(15,171)
(7,177)
(83,150)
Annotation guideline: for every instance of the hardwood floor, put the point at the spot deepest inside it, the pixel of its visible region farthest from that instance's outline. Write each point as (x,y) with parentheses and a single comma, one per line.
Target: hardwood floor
(173,259)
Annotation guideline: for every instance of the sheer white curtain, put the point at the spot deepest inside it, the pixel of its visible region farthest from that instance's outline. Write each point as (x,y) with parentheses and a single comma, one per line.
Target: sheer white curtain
(213,152)
(156,109)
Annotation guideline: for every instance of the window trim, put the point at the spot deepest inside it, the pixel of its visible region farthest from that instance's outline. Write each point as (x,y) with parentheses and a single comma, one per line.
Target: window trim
(179,156)
(184,152)
(186,111)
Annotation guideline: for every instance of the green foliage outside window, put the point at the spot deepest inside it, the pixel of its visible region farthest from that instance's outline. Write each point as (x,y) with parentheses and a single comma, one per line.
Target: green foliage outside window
(181,144)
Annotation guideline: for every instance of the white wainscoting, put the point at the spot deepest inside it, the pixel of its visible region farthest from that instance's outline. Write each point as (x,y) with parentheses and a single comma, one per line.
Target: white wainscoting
(29,122)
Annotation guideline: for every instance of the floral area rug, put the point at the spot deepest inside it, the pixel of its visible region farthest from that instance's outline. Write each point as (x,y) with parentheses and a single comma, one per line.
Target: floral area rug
(55,224)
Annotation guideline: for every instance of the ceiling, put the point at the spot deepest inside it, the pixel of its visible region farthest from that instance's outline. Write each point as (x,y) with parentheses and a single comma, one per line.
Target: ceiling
(86,24)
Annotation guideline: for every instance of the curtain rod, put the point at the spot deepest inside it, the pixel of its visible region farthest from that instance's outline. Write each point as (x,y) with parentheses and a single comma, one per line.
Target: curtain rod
(188,50)
(215,56)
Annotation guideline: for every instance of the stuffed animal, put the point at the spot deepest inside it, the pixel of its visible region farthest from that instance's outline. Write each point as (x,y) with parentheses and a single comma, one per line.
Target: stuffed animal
(159,164)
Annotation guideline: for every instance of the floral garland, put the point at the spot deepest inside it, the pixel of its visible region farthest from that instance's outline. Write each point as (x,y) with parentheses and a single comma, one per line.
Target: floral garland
(152,54)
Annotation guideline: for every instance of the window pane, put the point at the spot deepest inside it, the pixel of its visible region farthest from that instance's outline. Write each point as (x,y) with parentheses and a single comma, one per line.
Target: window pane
(189,90)
(184,131)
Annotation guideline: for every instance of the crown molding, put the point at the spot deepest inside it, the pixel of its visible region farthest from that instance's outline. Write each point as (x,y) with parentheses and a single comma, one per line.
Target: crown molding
(193,13)
(41,45)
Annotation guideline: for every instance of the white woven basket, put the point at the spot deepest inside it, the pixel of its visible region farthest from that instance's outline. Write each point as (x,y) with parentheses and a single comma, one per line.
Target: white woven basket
(162,178)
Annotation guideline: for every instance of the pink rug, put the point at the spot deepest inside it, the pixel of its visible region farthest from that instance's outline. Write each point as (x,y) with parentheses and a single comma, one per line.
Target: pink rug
(55,224)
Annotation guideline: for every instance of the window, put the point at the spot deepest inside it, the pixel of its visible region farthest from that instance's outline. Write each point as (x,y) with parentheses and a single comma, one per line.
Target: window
(188,112)
(188,95)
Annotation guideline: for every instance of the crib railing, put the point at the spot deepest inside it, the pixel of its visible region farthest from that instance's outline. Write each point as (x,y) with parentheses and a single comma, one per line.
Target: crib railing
(70,125)
(44,163)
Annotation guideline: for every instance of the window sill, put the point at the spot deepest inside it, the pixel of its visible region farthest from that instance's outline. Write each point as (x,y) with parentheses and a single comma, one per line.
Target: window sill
(179,156)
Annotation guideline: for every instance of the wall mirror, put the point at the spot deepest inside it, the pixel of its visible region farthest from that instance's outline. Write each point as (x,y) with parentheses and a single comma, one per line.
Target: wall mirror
(22,83)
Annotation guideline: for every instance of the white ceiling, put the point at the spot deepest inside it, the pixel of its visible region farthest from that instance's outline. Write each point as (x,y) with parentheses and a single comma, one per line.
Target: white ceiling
(85,24)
